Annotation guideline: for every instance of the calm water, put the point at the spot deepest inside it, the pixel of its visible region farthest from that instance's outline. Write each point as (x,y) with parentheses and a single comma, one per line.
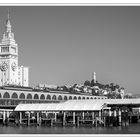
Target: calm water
(132,129)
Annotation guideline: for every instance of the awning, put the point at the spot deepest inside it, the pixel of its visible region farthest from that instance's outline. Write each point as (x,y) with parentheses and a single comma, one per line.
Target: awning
(71,105)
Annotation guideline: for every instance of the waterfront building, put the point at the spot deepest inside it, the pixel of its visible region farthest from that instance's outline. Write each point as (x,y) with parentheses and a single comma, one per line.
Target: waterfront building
(10,72)
(32,103)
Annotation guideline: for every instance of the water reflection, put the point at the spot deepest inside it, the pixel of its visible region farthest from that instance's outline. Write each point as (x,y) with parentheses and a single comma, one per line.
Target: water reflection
(132,129)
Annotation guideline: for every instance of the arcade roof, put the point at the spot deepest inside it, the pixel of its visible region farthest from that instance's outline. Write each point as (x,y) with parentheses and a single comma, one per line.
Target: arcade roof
(77,105)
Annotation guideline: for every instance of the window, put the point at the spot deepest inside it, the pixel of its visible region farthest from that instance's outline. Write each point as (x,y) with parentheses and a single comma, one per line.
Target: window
(48,97)
(75,98)
(65,97)
(70,98)
(36,96)
(59,97)
(54,97)
(79,98)
(6,95)
(14,95)
(42,97)
(22,96)
(29,96)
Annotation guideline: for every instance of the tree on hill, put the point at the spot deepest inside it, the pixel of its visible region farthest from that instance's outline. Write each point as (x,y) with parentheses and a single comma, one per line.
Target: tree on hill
(87,83)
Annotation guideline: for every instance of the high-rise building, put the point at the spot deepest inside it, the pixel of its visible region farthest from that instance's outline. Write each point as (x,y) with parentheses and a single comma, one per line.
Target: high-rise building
(9,69)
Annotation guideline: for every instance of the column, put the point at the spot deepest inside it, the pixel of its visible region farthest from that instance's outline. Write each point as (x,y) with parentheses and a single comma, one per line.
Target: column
(110,113)
(78,121)
(103,117)
(20,117)
(37,117)
(120,121)
(115,113)
(83,117)
(4,116)
(100,116)
(55,117)
(64,118)
(73,118)
(8,113)
(29,114)
(51,122)
(92,117)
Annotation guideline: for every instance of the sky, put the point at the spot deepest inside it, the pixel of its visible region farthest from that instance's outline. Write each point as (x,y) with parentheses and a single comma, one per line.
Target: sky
(64,45)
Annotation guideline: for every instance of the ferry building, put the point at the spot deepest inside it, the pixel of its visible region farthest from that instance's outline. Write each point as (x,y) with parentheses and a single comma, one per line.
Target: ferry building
(55,106)
(14,79)
(10,72)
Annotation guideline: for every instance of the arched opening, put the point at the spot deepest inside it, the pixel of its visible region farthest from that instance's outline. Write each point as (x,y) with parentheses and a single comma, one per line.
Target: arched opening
(79,98)
(14,95)
(70,98)
(59,97)
(98,98)
(29,96)
(48,97)
(42,97)
(75,98)
(87,97)
(84,98)
(54,97)
(91,98)
(22,96)
(95,98)
(6,95)
(65,97)
(36,96)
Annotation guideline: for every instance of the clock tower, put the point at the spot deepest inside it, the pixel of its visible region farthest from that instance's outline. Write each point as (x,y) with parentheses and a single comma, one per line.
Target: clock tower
(8,57)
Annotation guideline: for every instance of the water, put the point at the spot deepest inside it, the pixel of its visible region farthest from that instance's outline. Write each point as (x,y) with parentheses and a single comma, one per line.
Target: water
(132,129)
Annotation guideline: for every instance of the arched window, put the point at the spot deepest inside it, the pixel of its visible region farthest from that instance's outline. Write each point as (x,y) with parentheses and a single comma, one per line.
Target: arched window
(29,96)
(91,98)
(36,96)
(95,98)
(14,95)
(6,95)
(98,98)
(65,97)
(59,97)
(70,98)
(42,97)
(84,98)
(54,97)
(79,98)
(87,97)
(75,98)
(22,96)
(48,97)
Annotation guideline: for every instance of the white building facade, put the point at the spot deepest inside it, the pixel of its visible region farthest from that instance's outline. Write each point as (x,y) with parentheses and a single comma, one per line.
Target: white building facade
(10,72)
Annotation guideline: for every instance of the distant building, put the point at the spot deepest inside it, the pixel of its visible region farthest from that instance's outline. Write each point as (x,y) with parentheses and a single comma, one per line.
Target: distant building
(10,72)
(23,76)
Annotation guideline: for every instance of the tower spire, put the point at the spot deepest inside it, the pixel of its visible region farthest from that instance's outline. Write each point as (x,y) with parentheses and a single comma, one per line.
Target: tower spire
(8,16)
(8,24)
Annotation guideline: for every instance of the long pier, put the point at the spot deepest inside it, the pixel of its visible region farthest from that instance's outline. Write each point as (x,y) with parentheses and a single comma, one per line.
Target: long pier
(108,112)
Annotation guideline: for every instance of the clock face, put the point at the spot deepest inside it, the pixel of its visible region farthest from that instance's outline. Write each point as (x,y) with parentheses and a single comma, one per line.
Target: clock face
(4,66)
(13,66)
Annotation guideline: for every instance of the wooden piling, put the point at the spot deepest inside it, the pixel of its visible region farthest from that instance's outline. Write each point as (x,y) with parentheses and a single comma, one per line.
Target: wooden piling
(64,118)
(74,118)
(20,117)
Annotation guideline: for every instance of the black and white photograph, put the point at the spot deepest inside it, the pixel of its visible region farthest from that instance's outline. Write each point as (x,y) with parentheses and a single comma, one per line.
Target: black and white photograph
(69,69)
